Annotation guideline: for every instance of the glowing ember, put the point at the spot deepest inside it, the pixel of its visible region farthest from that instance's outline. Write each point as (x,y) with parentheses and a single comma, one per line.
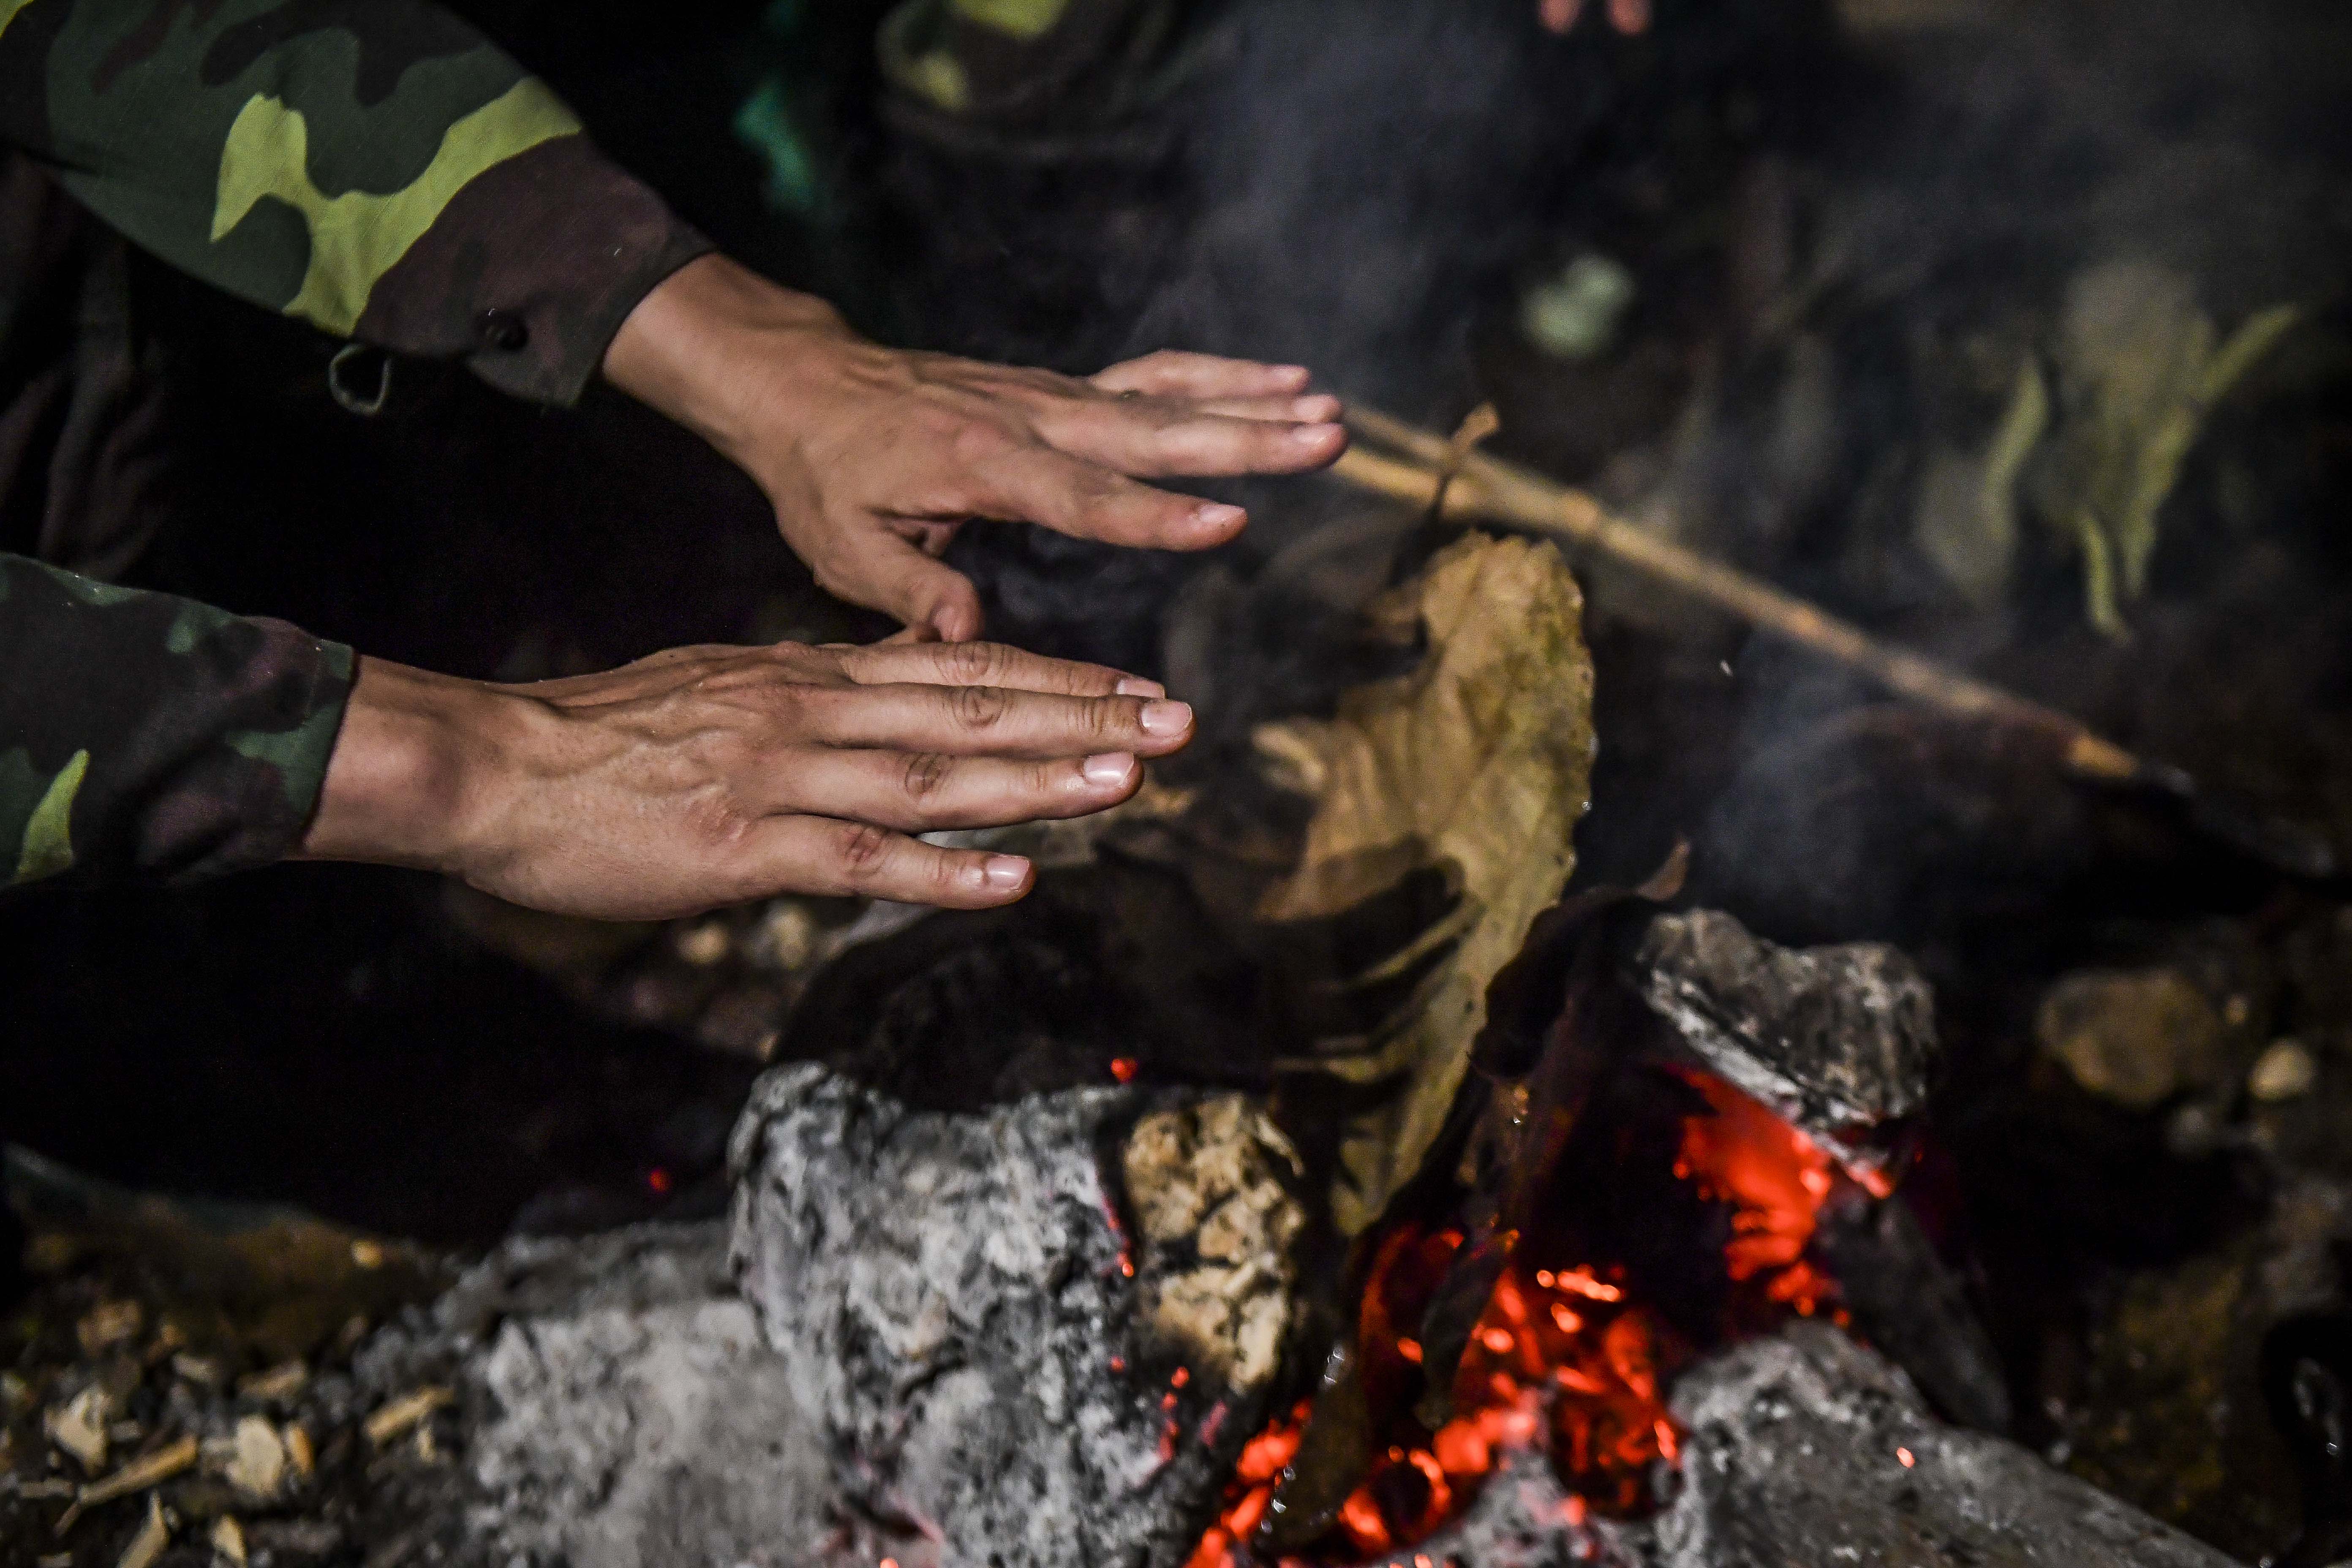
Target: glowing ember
(1562,1359)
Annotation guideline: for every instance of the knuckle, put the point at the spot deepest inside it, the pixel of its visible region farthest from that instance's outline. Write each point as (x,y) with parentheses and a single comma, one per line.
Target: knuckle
(718,820)
(975,442)
(970,664)
(977,707)
(863,849)
(925,775)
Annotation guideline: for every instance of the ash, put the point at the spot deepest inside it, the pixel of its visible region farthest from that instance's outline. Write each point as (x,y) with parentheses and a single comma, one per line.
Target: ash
(1002,1368)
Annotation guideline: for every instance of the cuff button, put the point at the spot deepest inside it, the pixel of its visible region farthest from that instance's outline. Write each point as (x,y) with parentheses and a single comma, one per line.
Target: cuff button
(501,330)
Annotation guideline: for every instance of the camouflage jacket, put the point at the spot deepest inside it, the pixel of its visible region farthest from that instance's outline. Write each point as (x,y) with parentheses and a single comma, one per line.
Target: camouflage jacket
(373,167)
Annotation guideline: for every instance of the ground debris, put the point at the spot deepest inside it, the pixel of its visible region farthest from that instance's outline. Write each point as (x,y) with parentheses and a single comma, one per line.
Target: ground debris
(404,1413)
(153,1536)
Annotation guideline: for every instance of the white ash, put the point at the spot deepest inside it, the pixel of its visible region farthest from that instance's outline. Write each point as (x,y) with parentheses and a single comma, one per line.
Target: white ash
(962,1318)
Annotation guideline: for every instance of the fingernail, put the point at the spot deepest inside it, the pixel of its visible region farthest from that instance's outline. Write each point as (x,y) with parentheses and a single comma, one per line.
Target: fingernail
(1215,514)
(1005,871)
(1314,435)
(1320,409)
(1166,718)
(1109,770)
(1136,686)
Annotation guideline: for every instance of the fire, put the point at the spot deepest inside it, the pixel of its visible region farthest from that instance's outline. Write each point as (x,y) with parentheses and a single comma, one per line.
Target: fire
(1564,1358)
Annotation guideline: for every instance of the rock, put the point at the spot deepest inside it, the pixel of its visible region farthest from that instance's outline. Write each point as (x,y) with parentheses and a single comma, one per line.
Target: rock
(1837,1040)
(1038,1332)
(2135,1037)
(1806,1447)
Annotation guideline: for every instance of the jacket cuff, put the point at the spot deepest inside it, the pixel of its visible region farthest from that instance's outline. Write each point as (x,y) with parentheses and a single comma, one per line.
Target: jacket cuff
(530,270)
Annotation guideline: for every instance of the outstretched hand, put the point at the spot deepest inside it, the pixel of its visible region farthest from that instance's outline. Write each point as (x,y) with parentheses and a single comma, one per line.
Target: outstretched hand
(874,456)
(713,776)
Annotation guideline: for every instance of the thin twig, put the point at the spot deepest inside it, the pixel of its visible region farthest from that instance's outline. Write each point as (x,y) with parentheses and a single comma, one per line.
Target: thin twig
(1483,488)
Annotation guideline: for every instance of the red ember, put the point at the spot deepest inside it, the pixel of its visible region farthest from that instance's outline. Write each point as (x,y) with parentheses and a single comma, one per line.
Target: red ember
(1560,1359)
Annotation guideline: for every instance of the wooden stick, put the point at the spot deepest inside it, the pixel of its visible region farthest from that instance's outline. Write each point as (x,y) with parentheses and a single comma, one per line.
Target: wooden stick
(1483,488)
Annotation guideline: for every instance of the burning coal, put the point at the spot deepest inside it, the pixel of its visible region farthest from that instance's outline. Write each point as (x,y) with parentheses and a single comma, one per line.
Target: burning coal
(1571,1356)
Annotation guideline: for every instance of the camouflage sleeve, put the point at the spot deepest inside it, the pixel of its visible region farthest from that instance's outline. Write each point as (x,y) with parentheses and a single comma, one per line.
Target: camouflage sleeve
(145,736)
(373,166)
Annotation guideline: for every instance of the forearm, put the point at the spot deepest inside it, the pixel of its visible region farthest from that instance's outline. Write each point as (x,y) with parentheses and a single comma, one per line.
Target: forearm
(397,178)
(406,784)
(143,736)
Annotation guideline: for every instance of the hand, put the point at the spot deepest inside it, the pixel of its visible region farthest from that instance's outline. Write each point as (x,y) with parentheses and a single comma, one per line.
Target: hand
(712,775)
(874,456)
(1628,16)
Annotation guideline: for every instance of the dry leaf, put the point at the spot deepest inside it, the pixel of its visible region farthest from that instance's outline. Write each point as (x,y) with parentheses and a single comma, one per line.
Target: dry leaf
(1477,763)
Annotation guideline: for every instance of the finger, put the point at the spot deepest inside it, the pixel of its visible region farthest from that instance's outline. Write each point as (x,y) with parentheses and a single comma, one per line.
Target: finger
(1320,408)
(875,568)
(1172,373)
(1559,15)
(991,720)
(1629,17)
(818,855)
(1088,501)
(1149,441)
(922,791)
(990,664)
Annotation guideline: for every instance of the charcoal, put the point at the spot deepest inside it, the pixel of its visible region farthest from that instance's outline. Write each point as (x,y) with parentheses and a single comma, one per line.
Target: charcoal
(1837,1040)
(1798,1453)
(1910,1304)
(1039,1330)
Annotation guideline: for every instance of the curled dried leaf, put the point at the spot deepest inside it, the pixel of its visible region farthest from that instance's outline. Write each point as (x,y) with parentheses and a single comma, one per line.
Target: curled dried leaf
(1476,765)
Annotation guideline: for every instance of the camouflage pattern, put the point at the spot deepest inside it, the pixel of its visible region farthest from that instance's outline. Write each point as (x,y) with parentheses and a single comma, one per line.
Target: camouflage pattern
(374,167)
(1030,64)
(148,736)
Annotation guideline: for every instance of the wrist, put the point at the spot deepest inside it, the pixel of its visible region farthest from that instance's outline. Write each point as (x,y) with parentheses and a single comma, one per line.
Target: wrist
(412,776)
(716,348)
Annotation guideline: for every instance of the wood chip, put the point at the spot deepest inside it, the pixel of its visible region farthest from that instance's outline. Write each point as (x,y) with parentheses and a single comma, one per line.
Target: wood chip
(152,1538)
(78,1427)
(404,1413)
(278,1385)
(298,1450)
(203,1371)
(228,1540)
(136,1477)
(258,1467)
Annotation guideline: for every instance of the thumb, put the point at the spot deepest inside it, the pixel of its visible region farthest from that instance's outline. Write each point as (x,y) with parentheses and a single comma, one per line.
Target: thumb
(883,572)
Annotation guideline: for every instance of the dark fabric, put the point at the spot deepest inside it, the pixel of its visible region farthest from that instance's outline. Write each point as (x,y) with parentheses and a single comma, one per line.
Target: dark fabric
(304,156)
(148,736)
(374,167)
(1033,63)
(530,270)
(83,470)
